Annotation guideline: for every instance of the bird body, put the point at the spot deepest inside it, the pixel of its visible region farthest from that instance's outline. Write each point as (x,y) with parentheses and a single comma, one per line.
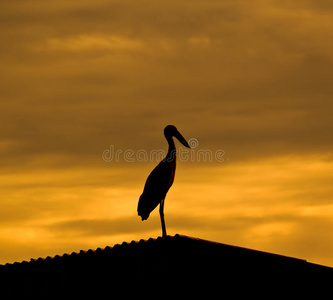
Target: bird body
(157,185)
(160,179)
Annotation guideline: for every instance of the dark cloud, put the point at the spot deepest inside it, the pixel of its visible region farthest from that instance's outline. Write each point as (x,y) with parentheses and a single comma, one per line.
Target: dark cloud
(83,75)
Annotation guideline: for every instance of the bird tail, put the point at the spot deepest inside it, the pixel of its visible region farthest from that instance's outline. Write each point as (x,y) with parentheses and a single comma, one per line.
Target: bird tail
(142,211)
(143,215)
(146,206)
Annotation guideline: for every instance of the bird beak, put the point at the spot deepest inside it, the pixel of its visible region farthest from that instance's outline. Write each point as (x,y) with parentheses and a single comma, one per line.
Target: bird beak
(181,139)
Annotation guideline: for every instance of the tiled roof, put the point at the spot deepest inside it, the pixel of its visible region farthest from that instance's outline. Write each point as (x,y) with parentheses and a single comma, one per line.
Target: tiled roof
(172,260)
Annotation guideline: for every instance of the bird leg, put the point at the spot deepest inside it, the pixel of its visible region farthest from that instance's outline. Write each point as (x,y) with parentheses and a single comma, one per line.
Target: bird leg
(162,218)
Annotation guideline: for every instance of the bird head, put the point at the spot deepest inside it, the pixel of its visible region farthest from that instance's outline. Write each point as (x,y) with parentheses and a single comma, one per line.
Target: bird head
(170,131)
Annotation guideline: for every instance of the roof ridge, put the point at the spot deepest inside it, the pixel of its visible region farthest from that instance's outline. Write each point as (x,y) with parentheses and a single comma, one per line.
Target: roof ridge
(177,238)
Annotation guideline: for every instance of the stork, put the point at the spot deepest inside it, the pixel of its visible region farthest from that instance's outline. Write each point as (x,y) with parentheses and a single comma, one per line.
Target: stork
(160,179)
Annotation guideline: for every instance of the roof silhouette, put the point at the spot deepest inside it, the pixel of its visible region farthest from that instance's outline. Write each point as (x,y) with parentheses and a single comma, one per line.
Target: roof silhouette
(178,264)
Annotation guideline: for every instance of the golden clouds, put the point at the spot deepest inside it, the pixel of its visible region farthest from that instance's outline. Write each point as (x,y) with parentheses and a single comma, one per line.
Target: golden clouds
(265,204)
(278,203)
(85,43)
(252,78)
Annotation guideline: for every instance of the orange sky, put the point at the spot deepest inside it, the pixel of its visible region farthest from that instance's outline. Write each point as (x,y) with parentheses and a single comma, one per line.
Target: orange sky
(251,78)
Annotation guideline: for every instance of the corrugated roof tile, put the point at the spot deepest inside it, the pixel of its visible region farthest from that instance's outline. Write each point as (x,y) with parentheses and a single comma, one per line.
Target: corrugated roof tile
(180,239)
(147,261)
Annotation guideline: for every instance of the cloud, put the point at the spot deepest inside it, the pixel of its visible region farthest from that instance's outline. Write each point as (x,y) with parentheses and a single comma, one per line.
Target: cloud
(300,236)
(252,79)
(99,227)
(256,88)
(90,43)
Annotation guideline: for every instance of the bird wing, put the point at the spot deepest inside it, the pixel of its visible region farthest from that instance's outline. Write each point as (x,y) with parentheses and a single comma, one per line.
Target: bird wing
(160,179)
(156,187)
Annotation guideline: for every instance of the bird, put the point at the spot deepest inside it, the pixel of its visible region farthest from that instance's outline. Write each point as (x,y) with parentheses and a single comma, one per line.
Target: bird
(161,179)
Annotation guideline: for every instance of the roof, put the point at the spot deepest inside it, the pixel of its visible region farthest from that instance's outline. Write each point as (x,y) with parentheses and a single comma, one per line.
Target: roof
(171,260)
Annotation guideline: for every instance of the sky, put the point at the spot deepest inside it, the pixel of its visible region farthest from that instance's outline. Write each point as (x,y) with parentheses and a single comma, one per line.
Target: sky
(87,88)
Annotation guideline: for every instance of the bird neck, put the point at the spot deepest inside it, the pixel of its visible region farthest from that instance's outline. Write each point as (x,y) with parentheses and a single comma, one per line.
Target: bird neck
(172,149)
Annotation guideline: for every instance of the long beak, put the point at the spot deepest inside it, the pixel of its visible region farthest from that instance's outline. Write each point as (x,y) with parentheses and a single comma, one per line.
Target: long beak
(181,139)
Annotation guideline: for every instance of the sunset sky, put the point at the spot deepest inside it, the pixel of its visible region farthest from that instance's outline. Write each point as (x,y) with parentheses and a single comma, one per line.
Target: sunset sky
(250,79)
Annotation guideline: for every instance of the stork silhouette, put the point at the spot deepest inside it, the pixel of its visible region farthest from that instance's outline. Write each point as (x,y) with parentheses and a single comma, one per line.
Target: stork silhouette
(160,179)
